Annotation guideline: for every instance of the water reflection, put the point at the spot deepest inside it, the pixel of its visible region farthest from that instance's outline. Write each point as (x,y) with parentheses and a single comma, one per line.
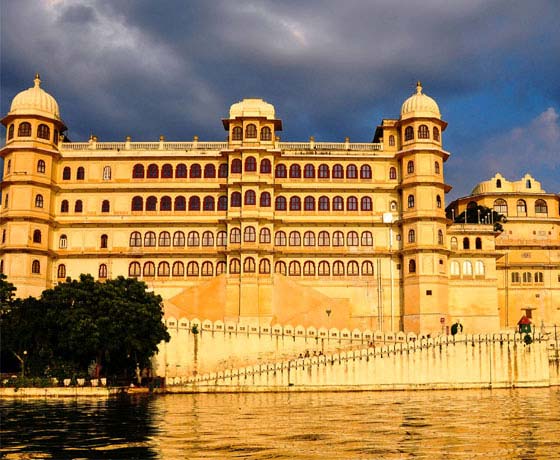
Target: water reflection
(396,425)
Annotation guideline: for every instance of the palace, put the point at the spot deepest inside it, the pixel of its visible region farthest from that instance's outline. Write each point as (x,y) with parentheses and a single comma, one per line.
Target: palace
(258,231)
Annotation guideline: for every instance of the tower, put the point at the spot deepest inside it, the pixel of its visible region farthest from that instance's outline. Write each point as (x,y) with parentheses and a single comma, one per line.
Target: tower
(30,164)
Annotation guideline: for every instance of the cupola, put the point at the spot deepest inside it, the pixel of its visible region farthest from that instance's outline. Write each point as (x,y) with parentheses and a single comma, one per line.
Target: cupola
(420,105)
(35,101)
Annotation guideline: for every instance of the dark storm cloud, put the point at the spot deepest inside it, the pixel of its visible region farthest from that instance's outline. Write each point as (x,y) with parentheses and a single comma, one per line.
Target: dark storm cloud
(332,69)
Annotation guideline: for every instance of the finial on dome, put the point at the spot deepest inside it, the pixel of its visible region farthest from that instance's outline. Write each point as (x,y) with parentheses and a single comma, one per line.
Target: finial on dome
(37,80)
(418,87)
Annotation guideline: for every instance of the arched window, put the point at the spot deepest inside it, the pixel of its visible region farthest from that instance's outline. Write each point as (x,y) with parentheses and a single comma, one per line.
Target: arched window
(367,268)
(266,166)
(365,172)
(324,268)
(104,241)
(237,133)
(539,278)
(280,238)
(467,268)
(338,238)
(498,183)
(309,239)
(193,239)
(280,267)
(194,203)
(250,197)
(149,239)
(411,236)
(11,132)
(149,269)
(207,239)
(324,172)
(280,171)
(234,266)
(324,204)
(41,167)
(436,134)
(295,203)
(338,203)
(63,242)
(250,164)
(178,269)
(479,268)
(167,171)
(249,235)
(135,240)
(24,129)
(309,203)
(478,243)
(392,173)
(164,239)
(338,172)
(223,170)
(43,132)
(236,166)
(408,133)
(295,239)
(153,171)
(265,200)
(436,167)
(165,203)
(338,268)
(78,206)
(137,204)
(138,171)
(209,171)
(411,266)
(251,131)
(527,277)
(179,239)
(295,171)
(423,132)
(249,265)
(528,183)
(324,239)
(196,171)
(308,268)
(39,201)
(366,203)
(235,199)
(264,235)
(134,270)
(454,243)
(192,269)
(207,269)
(264,266)
(266,134)
(352,239)
(521,208)
(61,272)
(181,171)
(454,268)
(235,235)
(466,243)
(222,203)
(208,203)
(438,201)
(353,269)
(221,238)
(391,140)
(36,267)
(102,272)
(163,269)
(352,203)
(410,167)
(351,172)
(309,171)
(294,268)
(367,238)
(66,173)
(280,204)
(500,206)
(180,203)
(151,203)
(541,207)
(440,237)
(410,201)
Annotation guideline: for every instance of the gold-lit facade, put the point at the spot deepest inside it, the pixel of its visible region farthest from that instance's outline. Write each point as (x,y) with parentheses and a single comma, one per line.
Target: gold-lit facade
(253,229)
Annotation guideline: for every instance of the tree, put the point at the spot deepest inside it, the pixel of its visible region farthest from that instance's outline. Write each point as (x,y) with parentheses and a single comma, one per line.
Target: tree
(7,292)
(480,214)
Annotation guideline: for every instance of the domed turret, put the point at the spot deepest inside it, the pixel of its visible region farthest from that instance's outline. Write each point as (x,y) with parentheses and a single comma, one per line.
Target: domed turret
(419,105)
(252,108)
(35,101)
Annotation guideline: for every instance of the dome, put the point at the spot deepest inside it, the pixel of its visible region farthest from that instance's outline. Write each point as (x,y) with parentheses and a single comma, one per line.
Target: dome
(419,105)
(252,108)
(35,101)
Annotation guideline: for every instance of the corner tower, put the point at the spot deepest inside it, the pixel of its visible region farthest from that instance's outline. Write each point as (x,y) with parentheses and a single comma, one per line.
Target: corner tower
(30,156)
(424,250)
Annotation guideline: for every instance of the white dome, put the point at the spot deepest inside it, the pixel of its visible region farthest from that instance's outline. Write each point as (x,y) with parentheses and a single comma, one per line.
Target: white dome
(252,108)
(419,105)
(35,101)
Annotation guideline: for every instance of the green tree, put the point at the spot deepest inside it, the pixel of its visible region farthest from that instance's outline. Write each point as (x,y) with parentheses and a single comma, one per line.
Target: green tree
(480,214)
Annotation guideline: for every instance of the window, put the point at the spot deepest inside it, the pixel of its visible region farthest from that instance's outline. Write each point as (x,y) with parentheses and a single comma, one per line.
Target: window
(454,243)
(236,166)
(308,269)
(438,201)
(309,171)
(180,203)
(66,173)
(440,236)
(250,164)
(165,203)
(391,140)
(250,197)
(367,268)
(467,268)
(222,203)
(43,132)
(164,239)
(309,239)
(515,277)
(294,268)
(280,267)
(479,268)
(410,167)
(365,172)
(193,239)
(249,235)
(411,266)
(324,204)
(338,172)
(150,239)
(541,207)
(138,171)
(498,183)
(134,269)
(366,203)
(78,206)
(163,269)
(208,203)
(411,236)
(265,200)
(266,134)
(167,171)
(521,208)
(235,235)
(367,239)
(393,206)
(423,132)
(324,239)
(137,204)
(220,267)
(178,269)
(178,239)
(235,199)
(295,203)
(324,171)
(36,267)
(280,204)
(192,269)
(436,167)
(80,173)
(528,183)
(194,203)
(454,268)
(153,171)
(500,206)
(149,269)
(24,129)
(41,166)
(466,243)
(352,203)
(392,173)
(11,132)
(295,239)
(338,203)
(223,170)
(207,239)
(102,272)
(478,243)
(280,171)
(249,265)
(264,266)
(207,269)
(351,172)
(181,171)
(135,239)
(196,171)
(237,133)
(338,238)
(410,201)
(264,235)
(408,133)
(266,166)
(436,134)
(104,242)
(221,239)
(527,277)
(63,242)
(338,268)
(309,203)
(234,266)
(251,131)
(209,171)
(151,203)
(539,278)
(280,238)
(38,201)
(295,171)
(324,268)
(353,268)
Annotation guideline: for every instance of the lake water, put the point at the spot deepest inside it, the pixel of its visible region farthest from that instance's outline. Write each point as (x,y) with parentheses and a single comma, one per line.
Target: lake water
(484,424)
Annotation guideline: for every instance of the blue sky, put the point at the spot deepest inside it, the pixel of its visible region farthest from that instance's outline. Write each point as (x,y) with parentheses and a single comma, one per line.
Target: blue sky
(331,68)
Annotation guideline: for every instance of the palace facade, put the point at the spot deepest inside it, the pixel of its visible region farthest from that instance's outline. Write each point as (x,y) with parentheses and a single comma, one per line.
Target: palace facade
(255,230)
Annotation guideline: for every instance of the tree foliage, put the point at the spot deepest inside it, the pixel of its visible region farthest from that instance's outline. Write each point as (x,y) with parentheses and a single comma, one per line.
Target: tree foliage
(116,324)
(481,214)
